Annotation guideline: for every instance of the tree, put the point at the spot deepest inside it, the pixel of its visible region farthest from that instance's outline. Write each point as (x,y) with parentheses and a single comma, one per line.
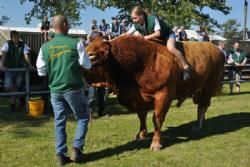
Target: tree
(231,29)
(69,8)
(3,20)
(174,12)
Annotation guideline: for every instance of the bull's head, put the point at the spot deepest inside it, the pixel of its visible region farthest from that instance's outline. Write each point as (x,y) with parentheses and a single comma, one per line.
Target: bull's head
(98,51)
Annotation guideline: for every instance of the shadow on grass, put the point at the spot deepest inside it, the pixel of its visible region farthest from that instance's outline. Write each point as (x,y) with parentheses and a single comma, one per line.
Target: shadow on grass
(180,134)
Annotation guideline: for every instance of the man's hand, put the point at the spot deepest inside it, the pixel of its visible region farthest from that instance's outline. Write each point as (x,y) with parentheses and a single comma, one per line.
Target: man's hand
(147,37)
(32,68)
(237,64)
(137,34)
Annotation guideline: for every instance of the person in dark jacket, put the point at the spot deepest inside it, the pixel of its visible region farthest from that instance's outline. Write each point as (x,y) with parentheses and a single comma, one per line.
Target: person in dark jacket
(15,54)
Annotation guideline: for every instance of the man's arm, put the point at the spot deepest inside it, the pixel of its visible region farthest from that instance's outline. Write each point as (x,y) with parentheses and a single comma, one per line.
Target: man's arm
(230,59)
(5,49)
(40,64)
(244,61)
(26,52)
(83,59)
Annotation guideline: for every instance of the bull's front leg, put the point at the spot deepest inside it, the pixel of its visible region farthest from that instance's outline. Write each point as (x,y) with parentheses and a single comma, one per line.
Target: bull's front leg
(143,125)
(162,104)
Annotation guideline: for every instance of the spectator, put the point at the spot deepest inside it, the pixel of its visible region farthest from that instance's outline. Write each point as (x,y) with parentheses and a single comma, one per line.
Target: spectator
(94,31)
(237,59)
(182,34)
(202,34)
(51,35)
(94,25)
(150,27)
(124,26)
(61,58)
(221,46)
(114,27)
(45,27)
(14,55)
(104,29)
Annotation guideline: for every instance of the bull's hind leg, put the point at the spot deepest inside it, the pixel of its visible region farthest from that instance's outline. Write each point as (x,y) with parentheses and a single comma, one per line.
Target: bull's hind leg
(203,101)
(143,126)
(162,104)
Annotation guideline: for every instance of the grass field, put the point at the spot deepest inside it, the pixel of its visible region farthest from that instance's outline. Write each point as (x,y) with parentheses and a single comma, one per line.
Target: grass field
(224,141)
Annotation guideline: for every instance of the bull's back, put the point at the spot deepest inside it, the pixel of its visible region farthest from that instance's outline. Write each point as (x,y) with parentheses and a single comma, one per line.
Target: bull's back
(207,62)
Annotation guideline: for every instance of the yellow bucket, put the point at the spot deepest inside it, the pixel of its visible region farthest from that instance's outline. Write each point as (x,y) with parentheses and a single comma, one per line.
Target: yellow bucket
(36,107)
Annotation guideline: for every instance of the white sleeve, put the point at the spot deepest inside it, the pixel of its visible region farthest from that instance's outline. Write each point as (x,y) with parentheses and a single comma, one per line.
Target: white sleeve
(26,49)
(83,59)
(40,64)
(230,59)
(244,61)
(5,47)
(157,25)
(131,30)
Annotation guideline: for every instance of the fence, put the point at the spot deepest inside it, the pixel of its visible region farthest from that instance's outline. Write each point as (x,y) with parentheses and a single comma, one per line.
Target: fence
(27,91)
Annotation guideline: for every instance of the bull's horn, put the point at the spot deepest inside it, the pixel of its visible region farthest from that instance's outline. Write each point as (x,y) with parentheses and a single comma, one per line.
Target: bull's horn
(92,57)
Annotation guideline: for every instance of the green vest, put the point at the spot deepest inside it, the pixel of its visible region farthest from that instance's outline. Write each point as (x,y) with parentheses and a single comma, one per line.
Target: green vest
(61,59)
(15,56)
(240,58)
(150,24)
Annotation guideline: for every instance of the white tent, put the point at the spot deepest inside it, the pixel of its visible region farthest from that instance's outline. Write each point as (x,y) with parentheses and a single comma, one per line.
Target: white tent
(217,38)
(194,35)
(191,34)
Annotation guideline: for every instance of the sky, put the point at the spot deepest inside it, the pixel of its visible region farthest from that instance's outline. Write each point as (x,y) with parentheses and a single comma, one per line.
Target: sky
(16,12)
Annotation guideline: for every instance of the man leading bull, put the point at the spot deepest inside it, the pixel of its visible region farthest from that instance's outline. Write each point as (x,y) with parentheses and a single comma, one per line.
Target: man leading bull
(61,58)
(149,27)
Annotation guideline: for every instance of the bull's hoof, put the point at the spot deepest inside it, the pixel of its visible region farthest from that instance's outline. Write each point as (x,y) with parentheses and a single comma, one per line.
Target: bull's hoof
(155,147)
(141,135)
(195,129)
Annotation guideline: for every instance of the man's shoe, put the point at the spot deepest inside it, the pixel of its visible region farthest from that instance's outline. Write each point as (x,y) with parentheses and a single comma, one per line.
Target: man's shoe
(63,160)
(187,73)
(77,155)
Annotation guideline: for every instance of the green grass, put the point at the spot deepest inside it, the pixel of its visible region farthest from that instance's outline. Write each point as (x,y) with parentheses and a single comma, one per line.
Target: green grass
(224,141)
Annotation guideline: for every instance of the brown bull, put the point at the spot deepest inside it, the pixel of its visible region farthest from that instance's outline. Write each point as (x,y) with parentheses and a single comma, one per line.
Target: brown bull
(147,76)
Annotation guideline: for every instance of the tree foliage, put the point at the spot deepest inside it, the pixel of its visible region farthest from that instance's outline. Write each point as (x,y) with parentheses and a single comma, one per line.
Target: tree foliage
(175,12)
(69,8)
(231,29)
(3,20)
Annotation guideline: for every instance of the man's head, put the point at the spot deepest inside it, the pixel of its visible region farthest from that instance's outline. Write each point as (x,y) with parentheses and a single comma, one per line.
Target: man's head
(221,44)
(115,20)
(94,22)
(14,36)
(60,24)
(138,15)
(237,46)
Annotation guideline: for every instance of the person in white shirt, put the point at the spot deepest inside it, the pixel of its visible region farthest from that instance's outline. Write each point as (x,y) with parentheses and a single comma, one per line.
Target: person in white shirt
(237,59)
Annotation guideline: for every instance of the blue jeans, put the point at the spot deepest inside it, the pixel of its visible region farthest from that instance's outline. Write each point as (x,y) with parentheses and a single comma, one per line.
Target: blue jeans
(62,102)
(13,79)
